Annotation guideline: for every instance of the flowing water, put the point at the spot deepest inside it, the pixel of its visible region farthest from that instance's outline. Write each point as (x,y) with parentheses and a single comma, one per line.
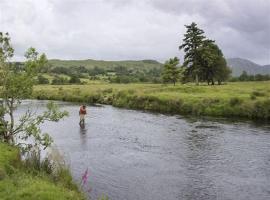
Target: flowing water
(134,155)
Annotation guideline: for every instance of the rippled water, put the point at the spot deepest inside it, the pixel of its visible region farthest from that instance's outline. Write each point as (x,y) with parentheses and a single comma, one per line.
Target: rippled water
(133,155)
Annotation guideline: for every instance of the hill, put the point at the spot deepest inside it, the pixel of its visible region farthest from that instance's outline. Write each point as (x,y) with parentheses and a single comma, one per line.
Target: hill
(239,65)
(108,65)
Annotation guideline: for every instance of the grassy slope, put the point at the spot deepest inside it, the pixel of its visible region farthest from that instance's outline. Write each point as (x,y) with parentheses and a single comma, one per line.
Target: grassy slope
(18,184)
(90,64)
(245,99)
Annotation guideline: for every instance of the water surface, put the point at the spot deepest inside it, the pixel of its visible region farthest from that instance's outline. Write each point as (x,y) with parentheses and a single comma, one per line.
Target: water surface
(134,155)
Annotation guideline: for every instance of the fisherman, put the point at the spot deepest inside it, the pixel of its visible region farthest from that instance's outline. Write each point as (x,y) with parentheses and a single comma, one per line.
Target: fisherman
(82,114)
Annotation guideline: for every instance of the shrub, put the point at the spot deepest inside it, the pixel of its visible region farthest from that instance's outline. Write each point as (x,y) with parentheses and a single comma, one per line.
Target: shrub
(35,164)
(109,90)
(258,94)
(74,80)
(59,81)
(235,101)
(261,110)
(253,97)
(42,80)
(2,174)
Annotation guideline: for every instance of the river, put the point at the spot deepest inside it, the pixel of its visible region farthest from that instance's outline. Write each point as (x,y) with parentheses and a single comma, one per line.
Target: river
(135,155)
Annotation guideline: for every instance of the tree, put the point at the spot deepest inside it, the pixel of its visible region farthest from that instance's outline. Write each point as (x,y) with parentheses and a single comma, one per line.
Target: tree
(171,72)
(213,66)
(16,86)
(203,60)
(243,76)
(193,39)
(6,50)
(224,72)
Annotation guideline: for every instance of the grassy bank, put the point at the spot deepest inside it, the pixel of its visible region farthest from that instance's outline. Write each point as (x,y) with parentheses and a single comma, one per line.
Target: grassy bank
(21,182)
(249,100)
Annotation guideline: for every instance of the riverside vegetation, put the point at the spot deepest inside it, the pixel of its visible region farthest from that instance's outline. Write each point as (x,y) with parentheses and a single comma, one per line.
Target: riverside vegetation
(31,177)
(249,100)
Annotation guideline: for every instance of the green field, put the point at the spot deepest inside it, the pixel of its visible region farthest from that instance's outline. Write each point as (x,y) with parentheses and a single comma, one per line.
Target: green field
(21,182)
(242,100)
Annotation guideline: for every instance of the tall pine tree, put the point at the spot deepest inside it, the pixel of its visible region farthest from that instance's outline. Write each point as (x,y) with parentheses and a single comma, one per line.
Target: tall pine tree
(204,60)
(193,40)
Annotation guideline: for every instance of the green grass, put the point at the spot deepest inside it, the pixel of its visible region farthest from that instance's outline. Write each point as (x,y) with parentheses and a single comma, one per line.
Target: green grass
(19,182)
(242,100)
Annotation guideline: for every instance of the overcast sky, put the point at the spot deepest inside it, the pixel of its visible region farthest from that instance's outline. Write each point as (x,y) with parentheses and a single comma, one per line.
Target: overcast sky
(135,29)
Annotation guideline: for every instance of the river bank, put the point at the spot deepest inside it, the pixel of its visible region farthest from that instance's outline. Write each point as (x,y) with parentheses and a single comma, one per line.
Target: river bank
(18,182)
(247,100)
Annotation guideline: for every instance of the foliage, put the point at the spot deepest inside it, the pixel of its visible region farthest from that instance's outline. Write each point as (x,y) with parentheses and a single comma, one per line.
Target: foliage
(29,127)
(16,86)
(111,71)
(74,79)
(212,63)
(171,73)
(42,80)
(6,50)
(235,101)
(193,40)
(203,60)
(33,178)
(246,77)
(59,80)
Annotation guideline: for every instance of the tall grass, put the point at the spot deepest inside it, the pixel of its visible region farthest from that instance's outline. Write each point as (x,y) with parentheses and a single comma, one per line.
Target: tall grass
(52,166)
(34,178)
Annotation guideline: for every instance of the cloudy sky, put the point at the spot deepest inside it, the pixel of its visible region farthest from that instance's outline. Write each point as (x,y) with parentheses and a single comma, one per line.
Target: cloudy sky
(135,29)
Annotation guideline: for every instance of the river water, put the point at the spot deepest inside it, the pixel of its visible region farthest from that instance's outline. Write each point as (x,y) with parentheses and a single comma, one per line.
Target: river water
(135,155)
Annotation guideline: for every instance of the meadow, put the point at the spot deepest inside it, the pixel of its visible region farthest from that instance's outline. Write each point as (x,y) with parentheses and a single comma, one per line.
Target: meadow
(250,100)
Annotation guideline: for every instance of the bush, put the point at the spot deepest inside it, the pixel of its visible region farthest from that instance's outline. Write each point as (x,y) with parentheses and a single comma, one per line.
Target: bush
(74,80)
(59,81)
(258,94)
(2,174)
(261,110)
(34,164)
(235,101)
(253,97)
(42,80)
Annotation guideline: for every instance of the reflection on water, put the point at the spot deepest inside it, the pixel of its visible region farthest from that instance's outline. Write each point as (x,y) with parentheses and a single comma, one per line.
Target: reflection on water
(82,134)
(137,155)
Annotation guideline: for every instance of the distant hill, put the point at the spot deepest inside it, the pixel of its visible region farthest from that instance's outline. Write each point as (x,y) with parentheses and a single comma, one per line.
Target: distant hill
(139,65)
(238,65)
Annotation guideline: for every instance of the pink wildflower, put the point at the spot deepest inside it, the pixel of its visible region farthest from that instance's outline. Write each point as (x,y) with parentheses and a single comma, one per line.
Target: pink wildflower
(85,177)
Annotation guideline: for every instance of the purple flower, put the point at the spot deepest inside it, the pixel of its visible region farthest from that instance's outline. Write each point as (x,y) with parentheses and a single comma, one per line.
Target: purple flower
(85,177)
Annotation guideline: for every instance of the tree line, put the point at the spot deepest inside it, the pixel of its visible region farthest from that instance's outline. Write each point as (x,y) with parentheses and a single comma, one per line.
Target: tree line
(117,74)
(249,77)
